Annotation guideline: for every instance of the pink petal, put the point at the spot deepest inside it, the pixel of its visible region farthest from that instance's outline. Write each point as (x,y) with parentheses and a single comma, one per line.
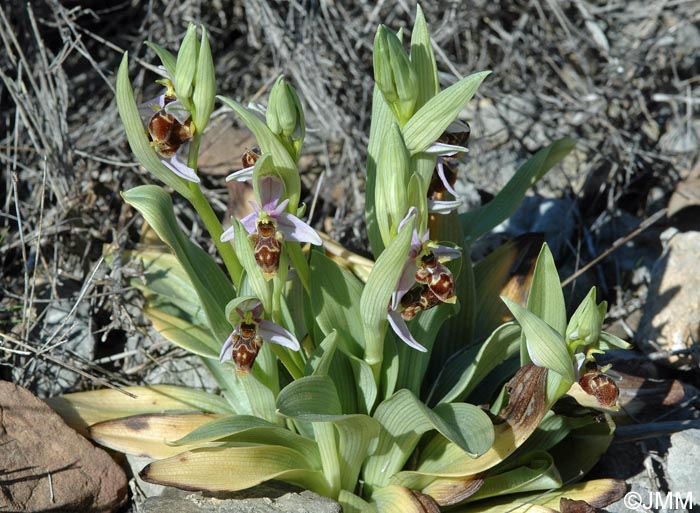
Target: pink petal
(406,281)
(401,329)
(445,150)
(296,230)
(243,175)
(446,253)
(276,211)
(412,212)
(270,192)
(181,169)
(271,332)
(227,350)
(250,222)
(443,178)
(443,207)
(177,110)
(228,234)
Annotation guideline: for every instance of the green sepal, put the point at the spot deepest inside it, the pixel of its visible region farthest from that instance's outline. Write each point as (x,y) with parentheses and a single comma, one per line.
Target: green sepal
(423,60)
(433,118)
(166,58)
(204,95)
(545,345)
(186,67)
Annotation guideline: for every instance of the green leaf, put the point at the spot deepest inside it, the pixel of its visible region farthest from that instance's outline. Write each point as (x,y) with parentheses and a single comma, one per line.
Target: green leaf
(433,118)
(536,471)
(310,399)
(467,368)
(405,419)
(480,221)
(376,295)
(166,58)
(283,162)
(205,85)
(246,429)
(423,60)
(227,469)
(186,66)
(82,409)
(546,347)
(211,283)
(184,334)
(165,284)
(136,134)
(335,300)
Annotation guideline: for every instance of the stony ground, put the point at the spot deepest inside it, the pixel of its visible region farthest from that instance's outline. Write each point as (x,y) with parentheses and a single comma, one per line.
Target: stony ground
(620,77)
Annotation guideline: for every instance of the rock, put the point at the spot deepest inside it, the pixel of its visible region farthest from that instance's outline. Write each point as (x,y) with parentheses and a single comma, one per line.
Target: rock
(683,455)
(47,466)
(261,499)
(671,319)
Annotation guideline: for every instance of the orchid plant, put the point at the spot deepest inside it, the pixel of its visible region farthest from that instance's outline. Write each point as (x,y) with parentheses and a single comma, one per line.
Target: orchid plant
(369,389)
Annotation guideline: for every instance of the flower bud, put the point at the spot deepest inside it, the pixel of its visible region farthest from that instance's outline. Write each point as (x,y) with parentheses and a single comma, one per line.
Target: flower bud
(394,74)
(585,324)
(285,115)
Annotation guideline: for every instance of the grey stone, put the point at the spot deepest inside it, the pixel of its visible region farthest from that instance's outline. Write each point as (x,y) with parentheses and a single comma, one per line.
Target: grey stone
(261,499)
(682,460)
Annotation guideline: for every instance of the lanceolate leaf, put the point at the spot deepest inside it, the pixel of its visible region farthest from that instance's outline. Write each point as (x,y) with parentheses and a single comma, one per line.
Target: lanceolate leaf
(148,435)
(82,409)
(469,367)
(404,420)
(335,299)
(478,222)
(186,66)
(433,118)
(223,469)
(211,283)
(184,334)
(598,493)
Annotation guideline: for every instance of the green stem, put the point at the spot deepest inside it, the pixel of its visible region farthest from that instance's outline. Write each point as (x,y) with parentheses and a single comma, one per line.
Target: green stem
(210,219)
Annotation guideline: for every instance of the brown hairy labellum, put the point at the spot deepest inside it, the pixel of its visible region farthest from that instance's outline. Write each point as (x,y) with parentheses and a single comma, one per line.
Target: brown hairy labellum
(246,345)
(267,247)
(438,277)
(168,134)
(600,386)
(250,157)
(417,300)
